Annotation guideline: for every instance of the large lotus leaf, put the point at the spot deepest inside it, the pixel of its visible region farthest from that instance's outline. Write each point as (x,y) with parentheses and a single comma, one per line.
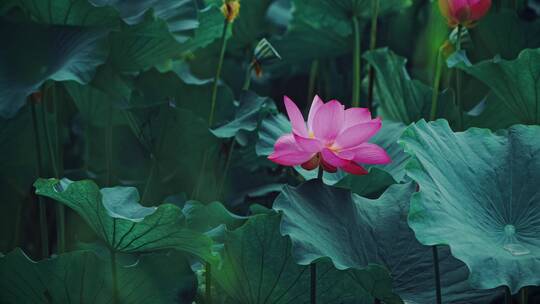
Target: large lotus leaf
(257,267)
(401,98)
(59,53)
(515,82)
(93,104)
(180,15)
(479,194)
(141,46)
(117,218)
(353,231)
(491,113)
(274,126)
(503,34)
(211,27)
(84,277)
(69,12)
(248,113)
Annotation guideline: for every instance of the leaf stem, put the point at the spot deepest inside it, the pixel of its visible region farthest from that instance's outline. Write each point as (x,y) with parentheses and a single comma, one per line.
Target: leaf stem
(523,295)
(436,85)
(313,283)
(54,159)
(227,165)
(356,63)
(149,179)
(208,282)
(108,146)
(218,72)
(375,4)
(458,81)
(437,274)
(39,168)
(507,295)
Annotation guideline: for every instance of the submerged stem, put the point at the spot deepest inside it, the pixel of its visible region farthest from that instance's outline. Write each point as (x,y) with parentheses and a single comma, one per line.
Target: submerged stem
(41,203)
(372,45)
(436,86)
(356,63)
(437,274)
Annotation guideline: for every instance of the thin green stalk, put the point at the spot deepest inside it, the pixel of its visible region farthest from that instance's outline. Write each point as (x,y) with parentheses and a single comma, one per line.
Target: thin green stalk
(436,85)
(372,45)
(247,79)
(54,159)
(227,165)
(41,203)
(507,295)
(356,63)
(313,71)
(458,81)
(149,180)
(114,275)
(218,72)
(313,283)
(208,282)
(523,296)
(108,147)
(437,274)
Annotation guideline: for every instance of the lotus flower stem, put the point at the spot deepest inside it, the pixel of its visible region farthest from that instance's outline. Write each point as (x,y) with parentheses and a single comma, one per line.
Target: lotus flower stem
(437,274)
(218,72)
(523,296)
(54,160)
(356,63)
(41,203)
(436,85)
(372,45)
(458,81)
(313,283)
(313,71)
(108,146)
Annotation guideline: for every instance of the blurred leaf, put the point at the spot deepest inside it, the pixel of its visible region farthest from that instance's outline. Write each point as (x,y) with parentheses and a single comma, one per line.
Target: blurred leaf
(492,231)
(203,218)
(401,98)
(257,267)
(83,277)
(491,113)
(117,218)
(503,34)
(353,232)
(516,82)
(371,185)
(59,53)
(180,15)
(251,109)
(211,27)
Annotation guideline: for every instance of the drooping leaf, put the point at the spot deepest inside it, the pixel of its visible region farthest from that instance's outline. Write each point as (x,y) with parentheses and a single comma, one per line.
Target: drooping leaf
(250,110)
(180,15)
(258,267)
(84,277)
(60,53)
(479,194)
(515,82)
(117,218)
(353,231)
(401,98)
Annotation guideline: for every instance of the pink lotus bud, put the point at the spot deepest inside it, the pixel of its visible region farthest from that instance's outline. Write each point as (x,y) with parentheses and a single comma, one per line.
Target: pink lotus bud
(464,12)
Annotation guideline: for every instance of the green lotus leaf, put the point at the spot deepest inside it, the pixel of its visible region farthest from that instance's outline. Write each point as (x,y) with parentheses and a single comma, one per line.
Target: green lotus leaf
(205,217)
(401,98)
(60,53)
(180,15)
(479,194)
(257,267)
(248,114)
(503,34)
(353,231)
(117,218)
(84,277)
(69,12)
(211,27)
(514,82)
(491,113)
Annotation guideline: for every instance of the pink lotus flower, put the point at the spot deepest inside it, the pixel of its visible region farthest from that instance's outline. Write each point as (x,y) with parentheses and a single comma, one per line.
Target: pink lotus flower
(333,138)
(464,12)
